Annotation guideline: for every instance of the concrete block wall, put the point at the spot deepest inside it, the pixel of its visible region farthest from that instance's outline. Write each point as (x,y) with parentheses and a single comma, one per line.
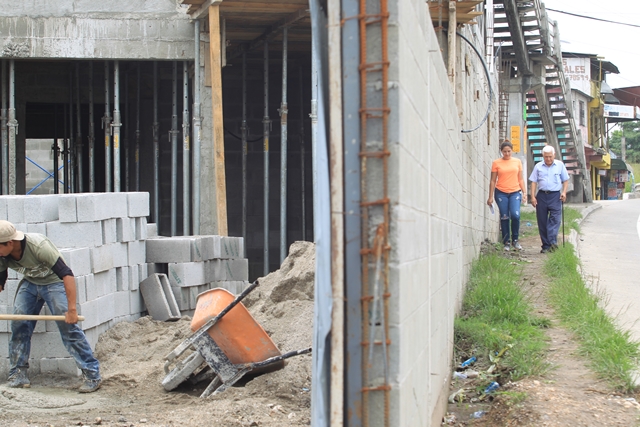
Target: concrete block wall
(101,237)
(438,185)
(195,264)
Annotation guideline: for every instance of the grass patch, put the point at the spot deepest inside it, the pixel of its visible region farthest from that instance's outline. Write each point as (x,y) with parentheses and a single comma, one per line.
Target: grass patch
(496,315)
(571,219)
(611,352)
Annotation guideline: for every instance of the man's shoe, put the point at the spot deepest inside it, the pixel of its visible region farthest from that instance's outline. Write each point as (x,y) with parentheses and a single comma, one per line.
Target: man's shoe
(507,247)
(90,386)
(19,379)
(553,247)
(545,250)
(517,246)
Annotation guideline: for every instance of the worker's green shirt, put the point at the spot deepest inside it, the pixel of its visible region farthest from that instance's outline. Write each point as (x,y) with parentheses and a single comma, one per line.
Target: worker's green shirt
(38,258)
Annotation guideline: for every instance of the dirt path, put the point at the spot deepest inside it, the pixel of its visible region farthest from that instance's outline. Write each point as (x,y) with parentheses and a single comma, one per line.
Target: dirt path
(569,395)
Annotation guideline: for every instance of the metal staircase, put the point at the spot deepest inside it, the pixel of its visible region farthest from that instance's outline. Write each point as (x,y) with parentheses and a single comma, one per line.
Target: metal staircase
(529,46)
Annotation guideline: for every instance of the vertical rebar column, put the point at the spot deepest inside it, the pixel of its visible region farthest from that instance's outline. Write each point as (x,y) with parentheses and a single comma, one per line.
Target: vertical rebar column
(266,122)
(173,137)
(156,148)
(65,151)
(302,171)
(106,125)
(92,134)
(79,153)
(197,124)
(4,135)
(284,112)
(12,127)
(69,162)
(116,127)
(137,152)
(56,150)
(186,151)
(126,142)
(243,130)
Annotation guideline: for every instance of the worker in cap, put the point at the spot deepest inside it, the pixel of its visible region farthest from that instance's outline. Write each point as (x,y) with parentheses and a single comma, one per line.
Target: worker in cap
(46,279)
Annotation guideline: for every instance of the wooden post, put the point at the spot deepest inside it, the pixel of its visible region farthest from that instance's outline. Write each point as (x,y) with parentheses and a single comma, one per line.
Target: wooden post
(218,126)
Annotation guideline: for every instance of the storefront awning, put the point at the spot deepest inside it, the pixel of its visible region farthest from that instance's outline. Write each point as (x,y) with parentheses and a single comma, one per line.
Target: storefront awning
(619,165)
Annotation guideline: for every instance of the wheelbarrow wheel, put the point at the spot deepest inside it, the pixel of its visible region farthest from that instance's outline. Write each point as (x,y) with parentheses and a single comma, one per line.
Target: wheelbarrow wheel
(182,371)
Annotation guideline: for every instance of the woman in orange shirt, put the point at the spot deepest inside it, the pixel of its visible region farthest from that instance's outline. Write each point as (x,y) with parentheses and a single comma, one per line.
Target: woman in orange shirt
(508,186)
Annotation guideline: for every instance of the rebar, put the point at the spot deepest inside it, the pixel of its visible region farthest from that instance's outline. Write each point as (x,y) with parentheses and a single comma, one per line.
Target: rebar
(173,137)
(12,127)
(4,132)
(243,129)
(125,135)
(284,112)
(117,124)
(137,148)
(186,151)
(92,134)
(69,163)
(79,152)
(197,124)
(266,123)
(302,170)
(156,148)
(106,125)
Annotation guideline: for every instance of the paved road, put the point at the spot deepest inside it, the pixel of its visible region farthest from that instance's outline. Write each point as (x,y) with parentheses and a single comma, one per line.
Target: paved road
(609,249)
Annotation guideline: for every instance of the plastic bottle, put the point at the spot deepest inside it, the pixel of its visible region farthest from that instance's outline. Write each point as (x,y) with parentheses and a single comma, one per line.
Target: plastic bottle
(468,362)
(478,414)
(459,375)
(491,387)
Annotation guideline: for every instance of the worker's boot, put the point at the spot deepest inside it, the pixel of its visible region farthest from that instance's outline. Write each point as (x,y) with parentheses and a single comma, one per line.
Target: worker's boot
(89,385)
(19,379)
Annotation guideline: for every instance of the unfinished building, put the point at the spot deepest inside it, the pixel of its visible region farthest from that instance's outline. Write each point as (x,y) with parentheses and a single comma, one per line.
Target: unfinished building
(367,126)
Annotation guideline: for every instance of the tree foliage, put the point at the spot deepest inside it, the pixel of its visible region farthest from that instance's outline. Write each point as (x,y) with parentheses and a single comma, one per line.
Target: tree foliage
(631,131)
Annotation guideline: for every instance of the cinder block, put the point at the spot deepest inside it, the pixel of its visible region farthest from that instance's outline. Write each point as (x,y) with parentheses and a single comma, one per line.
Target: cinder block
(109,231)
(89,310)
(101,258)
(100,206)
(203,248)
(231,247)
(169,249)
(67,211)
(158,298)
(47,344)
(105,283)
(21,226)
(134,277)
(81,289)
(107,304)
(122,303)
(40,208)
(142,230)
(79,260)
(136,252)
(122,278)
(136,303)
(90,287)
(15,208)
(49,365)
(75,235)
(120,254)
(152,230)
(138,203)
(181,296)
(9,293)
(3,208)
(126,229)
(187,274)
(67,366)
(40,228)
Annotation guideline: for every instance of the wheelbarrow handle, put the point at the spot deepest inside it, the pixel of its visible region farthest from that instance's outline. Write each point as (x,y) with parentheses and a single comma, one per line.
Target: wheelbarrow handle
(204,328)
(275,359)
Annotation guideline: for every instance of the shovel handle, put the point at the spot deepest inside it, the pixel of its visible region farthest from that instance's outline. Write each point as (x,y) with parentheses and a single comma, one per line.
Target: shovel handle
(34,317)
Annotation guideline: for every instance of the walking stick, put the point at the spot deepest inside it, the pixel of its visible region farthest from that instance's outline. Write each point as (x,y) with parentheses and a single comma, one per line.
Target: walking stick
(562,224)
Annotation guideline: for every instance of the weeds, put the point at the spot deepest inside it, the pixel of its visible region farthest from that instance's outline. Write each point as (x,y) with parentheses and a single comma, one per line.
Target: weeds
(611,352)
(497,315)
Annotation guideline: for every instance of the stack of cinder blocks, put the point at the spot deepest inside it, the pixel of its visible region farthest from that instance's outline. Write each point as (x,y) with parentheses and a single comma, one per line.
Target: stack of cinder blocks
(195,264)
(102,238)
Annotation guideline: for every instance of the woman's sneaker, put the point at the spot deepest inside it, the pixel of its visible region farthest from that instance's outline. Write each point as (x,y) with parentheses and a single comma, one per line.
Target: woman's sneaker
(517,246)
(19,379)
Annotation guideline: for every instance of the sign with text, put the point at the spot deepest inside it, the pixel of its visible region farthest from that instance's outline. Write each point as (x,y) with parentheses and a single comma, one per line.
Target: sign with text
(578,71)
(515,138)
(622,111)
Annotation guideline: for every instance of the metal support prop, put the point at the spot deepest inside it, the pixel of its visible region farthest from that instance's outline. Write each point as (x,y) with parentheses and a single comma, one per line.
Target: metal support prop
(12,127)
(284,112)
(156,148)
(4,133)
(65,150)
(244,130)
(79,153)
(197,125)
(186,151)
(302,171)
(125,135)
(92,134)
(137,152)
(56,151)
(173,137)
(69,162)
(266,122)
(106,125)
(117,124)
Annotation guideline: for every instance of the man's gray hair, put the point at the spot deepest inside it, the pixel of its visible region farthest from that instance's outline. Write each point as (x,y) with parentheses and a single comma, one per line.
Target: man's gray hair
(548,149)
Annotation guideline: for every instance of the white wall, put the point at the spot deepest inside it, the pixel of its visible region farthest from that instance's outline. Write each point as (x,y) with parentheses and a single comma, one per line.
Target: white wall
(439,215)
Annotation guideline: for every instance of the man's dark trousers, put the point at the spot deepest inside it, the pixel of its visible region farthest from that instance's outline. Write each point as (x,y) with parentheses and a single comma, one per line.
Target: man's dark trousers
(549,215)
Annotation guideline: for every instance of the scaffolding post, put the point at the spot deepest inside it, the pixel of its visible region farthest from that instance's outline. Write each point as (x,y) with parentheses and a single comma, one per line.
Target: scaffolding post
(137,149)
(126,142)
(186,151)
(106,125)
(92,134)
(56,151)
(156,148)
(302,171)
(79,153)
(284,112)
(69,162)
(243,130)
(4,133)
(117,124)
(12,126)
(173,137)
(266,123)
(197,125)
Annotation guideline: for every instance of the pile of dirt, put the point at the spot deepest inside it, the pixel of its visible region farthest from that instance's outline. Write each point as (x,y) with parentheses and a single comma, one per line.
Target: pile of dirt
(132,359)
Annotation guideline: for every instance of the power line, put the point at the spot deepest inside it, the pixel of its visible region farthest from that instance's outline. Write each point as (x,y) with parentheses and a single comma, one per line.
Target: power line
(595,19)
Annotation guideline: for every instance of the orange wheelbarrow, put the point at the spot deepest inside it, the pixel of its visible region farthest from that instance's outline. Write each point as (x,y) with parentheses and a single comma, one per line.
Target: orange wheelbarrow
(228,339)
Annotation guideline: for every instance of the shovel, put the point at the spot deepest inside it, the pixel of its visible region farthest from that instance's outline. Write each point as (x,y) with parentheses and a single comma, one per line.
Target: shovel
(34,317)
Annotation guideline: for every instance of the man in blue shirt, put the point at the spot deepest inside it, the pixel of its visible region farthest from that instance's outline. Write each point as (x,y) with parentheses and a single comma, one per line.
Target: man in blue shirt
(551,179)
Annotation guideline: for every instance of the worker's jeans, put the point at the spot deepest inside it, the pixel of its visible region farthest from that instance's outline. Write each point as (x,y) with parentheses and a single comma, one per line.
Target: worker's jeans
(509,207)
(29,300)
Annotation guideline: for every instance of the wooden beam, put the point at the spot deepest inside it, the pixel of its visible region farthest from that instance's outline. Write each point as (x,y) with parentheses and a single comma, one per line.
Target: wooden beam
(218,124)
(204,9)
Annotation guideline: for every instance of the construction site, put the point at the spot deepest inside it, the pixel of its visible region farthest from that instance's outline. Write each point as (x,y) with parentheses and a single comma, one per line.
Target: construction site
(337,152)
